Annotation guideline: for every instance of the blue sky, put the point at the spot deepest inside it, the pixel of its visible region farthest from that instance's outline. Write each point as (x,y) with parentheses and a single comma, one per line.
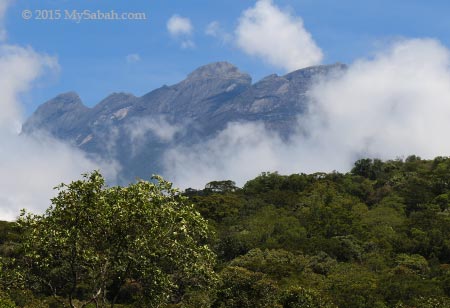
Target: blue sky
(93,54)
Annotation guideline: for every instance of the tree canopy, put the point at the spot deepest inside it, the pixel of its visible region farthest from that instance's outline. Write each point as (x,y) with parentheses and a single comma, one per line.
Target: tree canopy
(94,242)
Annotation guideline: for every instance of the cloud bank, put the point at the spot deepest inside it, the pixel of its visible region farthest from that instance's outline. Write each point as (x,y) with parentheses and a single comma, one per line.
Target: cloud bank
(394,104)
(276,37)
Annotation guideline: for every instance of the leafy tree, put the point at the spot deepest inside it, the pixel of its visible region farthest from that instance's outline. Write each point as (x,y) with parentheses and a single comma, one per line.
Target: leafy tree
(368,168)
(354,286)
(242,288)
(218,206)
(95,240)
(221,186)
(275,263)
(298,297)
(415,263)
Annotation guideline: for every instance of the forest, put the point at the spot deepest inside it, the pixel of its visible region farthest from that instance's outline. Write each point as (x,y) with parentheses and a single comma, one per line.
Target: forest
(377,236)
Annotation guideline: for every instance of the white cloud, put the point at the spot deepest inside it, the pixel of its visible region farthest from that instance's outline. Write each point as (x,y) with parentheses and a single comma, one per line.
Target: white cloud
(277,37)
(159,127)
(181,29)
(133,58)
(18,68)
(394,104)
(397,103)
(178,25)
(31,165)
(214,29)
(3,7)
(239,152)
(187,44)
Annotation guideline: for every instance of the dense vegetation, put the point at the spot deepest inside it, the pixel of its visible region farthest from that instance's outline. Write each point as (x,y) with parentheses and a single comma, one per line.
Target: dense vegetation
(378,236)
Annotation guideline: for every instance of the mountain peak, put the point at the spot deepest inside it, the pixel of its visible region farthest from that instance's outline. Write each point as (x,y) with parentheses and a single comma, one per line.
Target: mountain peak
(223,70)
(60,111)
(65,101)
(67,98)
(114,99)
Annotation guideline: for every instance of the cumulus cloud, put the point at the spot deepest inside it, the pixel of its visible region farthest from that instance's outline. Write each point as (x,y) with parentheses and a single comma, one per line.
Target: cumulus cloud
(181,29)
(277,37)
(31,165)
(133,58)
(394,104)
(178,25)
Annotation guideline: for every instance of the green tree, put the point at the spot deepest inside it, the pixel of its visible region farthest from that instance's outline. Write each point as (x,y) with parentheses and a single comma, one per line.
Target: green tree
(241,288)
(95,240)
(221,186)
(299,297)
(5,301)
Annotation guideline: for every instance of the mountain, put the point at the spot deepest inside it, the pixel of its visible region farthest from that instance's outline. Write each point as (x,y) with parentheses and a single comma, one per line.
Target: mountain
(136,131)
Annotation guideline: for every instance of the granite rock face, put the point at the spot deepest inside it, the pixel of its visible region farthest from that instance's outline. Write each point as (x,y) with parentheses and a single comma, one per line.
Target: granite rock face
(136,131)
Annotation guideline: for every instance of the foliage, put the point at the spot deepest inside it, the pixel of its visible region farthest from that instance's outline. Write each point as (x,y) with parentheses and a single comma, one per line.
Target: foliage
(94,241)
(242,288)
(298,297)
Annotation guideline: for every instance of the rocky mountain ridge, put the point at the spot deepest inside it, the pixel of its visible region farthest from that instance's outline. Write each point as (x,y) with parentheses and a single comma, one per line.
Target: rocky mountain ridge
(136,131)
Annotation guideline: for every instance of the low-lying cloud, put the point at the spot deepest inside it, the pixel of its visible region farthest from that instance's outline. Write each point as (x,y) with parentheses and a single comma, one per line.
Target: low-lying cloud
(394,104)
(239,152)
(158,127)
(277,37)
